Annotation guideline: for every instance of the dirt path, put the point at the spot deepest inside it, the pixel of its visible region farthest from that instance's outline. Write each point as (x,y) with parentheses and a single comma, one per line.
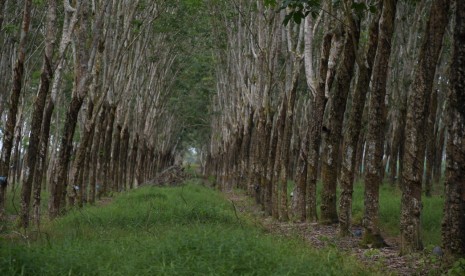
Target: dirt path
(386,259)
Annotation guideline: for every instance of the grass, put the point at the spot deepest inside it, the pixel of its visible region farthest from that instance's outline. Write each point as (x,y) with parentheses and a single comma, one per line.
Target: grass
(165,231)
(389,213)
(389,201)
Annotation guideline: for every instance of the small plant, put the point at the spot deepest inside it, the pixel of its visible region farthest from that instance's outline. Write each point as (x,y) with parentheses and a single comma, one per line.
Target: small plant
(371,253)
(458,268)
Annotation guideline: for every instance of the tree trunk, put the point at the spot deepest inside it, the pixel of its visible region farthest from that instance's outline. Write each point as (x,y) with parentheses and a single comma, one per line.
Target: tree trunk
(301,180)
(453,225)
(270,169)
(280,125)
(75,187)
(37,116)
(353,128)
(332,137)
(286,141)
(418,104)
(376,127)
(60,170)
(13,104)
(95,160)
(115,157)
(133,160)
(107,149)
(430,143)
(124,158)
(438,155)
(41,167)
(317,113)
(2,6)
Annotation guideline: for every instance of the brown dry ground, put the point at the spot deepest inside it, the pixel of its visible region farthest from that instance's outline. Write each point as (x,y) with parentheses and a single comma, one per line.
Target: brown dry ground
(385,260)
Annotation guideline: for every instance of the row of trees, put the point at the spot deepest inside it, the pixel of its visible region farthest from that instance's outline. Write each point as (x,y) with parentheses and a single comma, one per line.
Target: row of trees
(343,90)
(87,109)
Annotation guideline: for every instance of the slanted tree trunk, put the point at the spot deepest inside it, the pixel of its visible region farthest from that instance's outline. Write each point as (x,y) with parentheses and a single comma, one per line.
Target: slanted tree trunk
(453,224)
(417,112)
(95,154)
(85,60)
(37,116)
(376,127)
(75,185)
(13,103)
(353,129)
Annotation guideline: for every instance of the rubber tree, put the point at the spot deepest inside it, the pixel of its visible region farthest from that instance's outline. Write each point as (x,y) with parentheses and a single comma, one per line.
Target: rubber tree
(417,114)
(18,75)
(376,125)
(453,225)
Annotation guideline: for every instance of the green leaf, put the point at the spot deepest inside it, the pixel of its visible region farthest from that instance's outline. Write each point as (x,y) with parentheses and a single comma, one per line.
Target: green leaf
(314,14)
(270,3)
(298,17)
(359,7)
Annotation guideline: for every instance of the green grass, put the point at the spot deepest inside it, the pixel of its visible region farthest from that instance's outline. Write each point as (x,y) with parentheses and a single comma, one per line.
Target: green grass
(165,231)
(13,199)
(389,201)
(389,213)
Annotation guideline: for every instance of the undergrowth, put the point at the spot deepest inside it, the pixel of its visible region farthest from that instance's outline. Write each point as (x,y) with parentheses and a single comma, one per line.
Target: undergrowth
(188,230)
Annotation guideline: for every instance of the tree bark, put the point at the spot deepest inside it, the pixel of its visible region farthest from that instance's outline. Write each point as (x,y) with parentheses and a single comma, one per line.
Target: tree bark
(353,128)
(333,128)
(286,141)
(317,113)
(84,63)
(453,225)
(376,128)
(37,116)
(439,152)
(430,143)
(418,103)
(13,104)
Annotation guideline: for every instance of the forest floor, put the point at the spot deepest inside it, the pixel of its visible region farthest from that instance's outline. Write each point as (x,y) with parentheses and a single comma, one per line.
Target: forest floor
(319,236)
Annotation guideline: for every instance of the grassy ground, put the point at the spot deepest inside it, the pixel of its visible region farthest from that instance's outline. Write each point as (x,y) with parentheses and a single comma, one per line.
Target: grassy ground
(164,231)
(389,200)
